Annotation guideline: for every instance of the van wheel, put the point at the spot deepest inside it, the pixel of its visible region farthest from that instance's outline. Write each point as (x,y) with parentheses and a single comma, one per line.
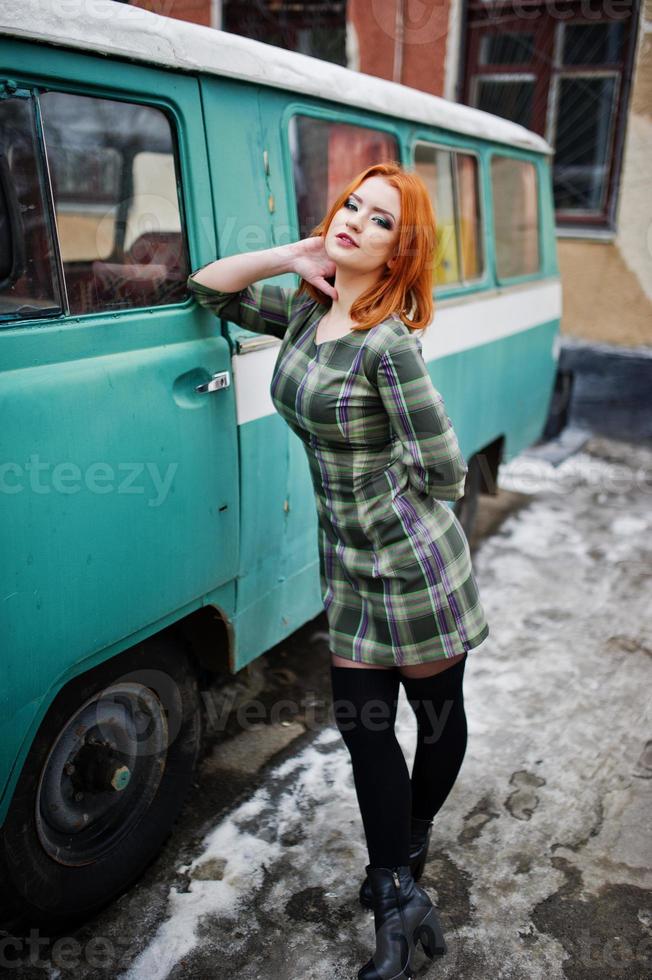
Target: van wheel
(102,785)
(466,508)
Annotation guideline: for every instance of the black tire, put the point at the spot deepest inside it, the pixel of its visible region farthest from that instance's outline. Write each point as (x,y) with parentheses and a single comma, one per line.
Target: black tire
(55,876)
(466,508)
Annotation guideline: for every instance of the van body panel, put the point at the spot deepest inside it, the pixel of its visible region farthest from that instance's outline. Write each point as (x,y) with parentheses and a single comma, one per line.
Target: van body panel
(121,503)
(278,582)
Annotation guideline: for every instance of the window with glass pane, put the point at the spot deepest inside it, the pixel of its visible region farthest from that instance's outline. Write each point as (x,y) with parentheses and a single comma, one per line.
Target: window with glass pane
(506,48)
(470,233)
(585,122)
(434,166)
(592,44)
(115,178)
(516,216)
(563,74)
(511,97)
(326,156)
(28,278)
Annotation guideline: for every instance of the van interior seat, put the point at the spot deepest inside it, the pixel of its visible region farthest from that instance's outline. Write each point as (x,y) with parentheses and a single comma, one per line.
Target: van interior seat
(120,284)
(154,271)
(164,247)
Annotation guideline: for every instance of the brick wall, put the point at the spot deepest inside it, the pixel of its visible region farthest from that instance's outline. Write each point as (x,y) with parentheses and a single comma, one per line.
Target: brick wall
(194,11)
(420,61)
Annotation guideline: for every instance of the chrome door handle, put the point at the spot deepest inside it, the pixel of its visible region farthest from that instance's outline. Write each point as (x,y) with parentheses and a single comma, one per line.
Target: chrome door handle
(220,380)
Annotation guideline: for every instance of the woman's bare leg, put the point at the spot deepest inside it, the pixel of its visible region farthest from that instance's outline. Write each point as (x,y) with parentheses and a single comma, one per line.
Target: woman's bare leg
(431,668)
(343,662)
(409,670)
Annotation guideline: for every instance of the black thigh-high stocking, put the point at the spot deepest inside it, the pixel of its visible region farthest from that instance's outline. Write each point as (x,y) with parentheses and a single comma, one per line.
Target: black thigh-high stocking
(438,703)
(364,706)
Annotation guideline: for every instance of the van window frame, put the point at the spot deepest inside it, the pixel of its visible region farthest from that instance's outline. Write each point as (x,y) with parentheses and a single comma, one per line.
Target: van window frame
(534,161)
(297,108)
(65,87)
(30,92)
(463,286)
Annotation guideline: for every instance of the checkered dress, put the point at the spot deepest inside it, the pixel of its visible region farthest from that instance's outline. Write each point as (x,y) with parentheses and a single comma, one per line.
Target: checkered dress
(396,576)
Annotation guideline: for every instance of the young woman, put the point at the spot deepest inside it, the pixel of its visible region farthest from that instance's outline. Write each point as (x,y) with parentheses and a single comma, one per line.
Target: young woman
(399,591)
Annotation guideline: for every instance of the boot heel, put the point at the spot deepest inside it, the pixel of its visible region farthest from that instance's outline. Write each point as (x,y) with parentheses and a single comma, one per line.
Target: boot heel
(418,866)
(431,935)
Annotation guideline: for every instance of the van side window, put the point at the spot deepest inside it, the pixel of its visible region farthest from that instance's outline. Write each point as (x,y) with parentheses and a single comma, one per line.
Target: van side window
(452,181)
(29,286)
(327,155)
(469,217)
(115,187)
(435,167)
(516,216)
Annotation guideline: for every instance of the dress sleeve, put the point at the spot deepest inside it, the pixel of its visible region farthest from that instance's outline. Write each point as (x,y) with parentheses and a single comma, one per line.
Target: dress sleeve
(261,307)
(418,417)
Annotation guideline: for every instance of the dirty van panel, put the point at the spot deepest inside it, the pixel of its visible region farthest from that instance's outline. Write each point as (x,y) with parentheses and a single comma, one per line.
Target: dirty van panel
(278,584)
(122,500)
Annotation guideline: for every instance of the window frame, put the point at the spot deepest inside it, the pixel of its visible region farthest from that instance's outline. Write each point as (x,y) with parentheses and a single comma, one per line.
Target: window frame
(29,91)
(526,276)
(352,118)
(480,18)
(551,133)
(38,87)
(463,284)
(45,163)
(501,76)
(616,136)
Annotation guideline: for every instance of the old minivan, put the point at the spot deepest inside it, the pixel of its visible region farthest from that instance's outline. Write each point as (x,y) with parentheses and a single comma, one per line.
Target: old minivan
(157,516)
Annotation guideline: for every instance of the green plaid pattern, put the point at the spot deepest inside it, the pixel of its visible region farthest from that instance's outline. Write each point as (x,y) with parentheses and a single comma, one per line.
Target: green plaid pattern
(395,566)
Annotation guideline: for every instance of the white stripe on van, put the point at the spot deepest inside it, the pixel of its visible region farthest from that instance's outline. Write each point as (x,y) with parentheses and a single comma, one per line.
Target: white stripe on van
(457,326)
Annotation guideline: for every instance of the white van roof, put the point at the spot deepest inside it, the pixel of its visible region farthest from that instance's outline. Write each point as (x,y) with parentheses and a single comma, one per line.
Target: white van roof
(140,35)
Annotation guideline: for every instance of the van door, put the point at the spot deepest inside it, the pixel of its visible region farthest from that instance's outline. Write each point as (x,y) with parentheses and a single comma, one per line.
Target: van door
(118,435)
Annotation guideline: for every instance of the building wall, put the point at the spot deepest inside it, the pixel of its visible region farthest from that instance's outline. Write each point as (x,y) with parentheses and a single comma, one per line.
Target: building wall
(400,40)
(194,11)
(635,212)
(608,285)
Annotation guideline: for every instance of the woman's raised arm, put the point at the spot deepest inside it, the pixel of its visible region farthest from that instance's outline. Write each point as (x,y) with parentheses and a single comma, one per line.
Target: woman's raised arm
(229,286)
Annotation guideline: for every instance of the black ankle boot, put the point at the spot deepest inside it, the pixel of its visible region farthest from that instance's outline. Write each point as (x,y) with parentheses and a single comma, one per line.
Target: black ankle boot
(419,843)
(403,916)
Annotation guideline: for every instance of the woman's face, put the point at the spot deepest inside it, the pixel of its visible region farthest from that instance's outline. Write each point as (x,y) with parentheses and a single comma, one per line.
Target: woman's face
(370,218)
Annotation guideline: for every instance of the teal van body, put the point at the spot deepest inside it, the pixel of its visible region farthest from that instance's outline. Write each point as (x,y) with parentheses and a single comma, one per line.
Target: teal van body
(131,501)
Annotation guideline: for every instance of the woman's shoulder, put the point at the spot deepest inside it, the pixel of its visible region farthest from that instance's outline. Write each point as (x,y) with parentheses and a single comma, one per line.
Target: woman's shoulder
(392,334)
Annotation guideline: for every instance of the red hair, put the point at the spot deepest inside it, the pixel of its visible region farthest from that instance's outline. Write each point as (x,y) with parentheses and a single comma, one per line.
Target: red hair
(405,289)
